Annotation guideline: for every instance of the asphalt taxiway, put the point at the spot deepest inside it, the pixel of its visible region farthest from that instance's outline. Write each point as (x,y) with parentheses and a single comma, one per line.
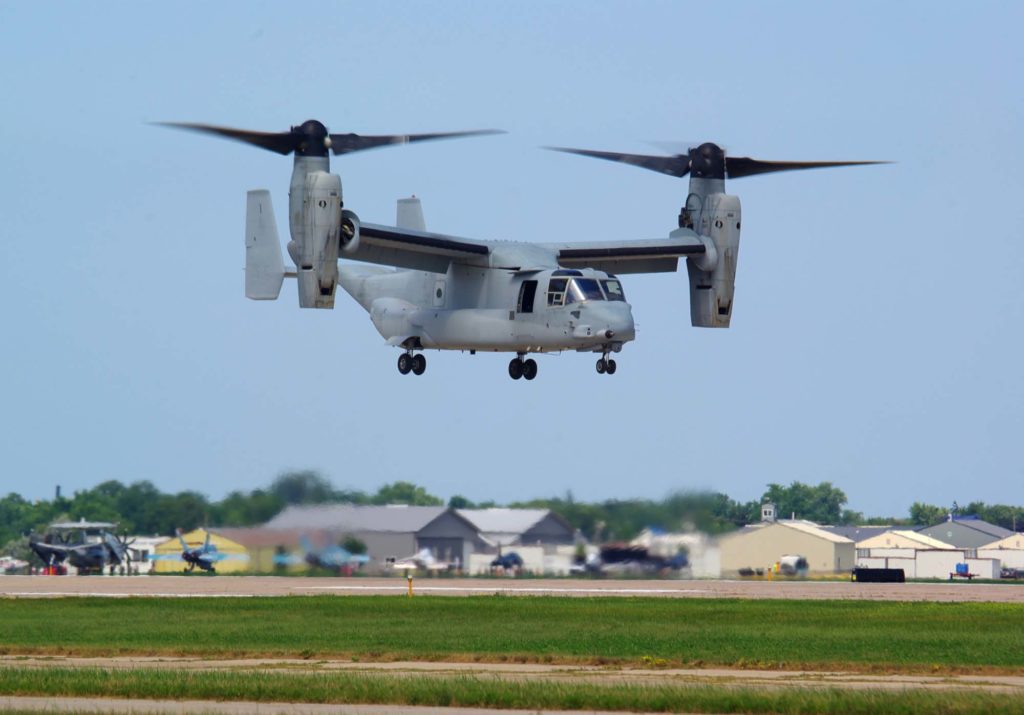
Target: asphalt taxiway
(205,586)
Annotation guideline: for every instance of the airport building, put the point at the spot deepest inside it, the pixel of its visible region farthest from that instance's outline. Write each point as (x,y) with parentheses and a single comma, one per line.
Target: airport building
(166,557)
(966,532)
(759,546)
(392,532)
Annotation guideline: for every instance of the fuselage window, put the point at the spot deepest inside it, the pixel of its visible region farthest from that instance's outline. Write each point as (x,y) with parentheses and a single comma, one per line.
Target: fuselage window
(556,291)
(613,289)
(581,289)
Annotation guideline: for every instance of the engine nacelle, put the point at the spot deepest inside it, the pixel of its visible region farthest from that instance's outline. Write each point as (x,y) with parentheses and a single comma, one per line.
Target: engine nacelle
(713,278)
(315,249)
(349,238)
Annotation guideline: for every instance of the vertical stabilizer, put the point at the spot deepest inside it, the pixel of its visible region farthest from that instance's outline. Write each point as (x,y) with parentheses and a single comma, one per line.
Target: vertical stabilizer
(410,214)
(264,264)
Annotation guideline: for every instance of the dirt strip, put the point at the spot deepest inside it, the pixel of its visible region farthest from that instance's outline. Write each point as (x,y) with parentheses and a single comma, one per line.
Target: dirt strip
(248,586)
(558,673)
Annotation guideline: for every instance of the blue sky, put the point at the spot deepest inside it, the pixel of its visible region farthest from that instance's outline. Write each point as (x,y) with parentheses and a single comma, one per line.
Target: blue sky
(877,331)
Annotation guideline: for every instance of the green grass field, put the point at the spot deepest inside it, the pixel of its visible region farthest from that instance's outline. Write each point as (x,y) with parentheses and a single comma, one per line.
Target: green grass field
(484,692)
(848,635)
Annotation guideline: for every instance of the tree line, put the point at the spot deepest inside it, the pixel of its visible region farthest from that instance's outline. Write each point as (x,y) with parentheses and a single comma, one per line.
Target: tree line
(141,508)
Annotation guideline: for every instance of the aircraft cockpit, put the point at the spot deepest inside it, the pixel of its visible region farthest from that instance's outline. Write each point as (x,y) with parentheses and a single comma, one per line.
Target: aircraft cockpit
(570,286)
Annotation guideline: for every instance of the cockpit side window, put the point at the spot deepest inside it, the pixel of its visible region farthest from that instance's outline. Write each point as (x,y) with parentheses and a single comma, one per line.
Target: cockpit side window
(581,289)
(613,289)
(556,291)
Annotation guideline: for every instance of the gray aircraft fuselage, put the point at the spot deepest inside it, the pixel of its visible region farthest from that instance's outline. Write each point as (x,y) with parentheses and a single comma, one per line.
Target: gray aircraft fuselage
(478,308)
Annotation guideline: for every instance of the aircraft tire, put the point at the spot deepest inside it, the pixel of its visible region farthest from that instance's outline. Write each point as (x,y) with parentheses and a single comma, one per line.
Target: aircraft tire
(404,363)
(419,364)
(601,366)
(530,369)
(515,368)
(610,367)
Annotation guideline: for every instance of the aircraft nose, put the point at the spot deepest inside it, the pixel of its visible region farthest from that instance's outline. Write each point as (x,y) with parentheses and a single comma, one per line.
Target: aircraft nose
(617,319)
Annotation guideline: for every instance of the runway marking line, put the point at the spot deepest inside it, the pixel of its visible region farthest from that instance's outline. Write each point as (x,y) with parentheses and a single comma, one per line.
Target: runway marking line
(493,589)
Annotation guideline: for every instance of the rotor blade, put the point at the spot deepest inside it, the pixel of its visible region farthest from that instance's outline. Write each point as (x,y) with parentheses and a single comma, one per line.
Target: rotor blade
(678,166)
(348,143)
(279,142)
(738,167)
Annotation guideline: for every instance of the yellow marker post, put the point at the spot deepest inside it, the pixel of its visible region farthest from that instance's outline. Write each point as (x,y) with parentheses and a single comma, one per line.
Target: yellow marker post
(409,576)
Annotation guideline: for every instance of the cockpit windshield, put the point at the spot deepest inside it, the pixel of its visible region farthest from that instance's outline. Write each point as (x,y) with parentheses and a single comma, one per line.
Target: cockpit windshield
(581,289)
(613,289)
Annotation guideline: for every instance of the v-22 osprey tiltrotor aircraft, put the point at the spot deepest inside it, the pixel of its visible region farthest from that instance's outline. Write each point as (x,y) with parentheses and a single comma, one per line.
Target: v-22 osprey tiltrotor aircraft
(442,292)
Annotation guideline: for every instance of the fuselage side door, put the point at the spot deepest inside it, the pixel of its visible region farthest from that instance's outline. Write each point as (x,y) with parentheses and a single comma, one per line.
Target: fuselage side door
(527,293)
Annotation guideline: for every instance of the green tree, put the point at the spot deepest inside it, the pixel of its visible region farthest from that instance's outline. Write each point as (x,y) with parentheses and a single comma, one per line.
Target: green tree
(926,515)
(405,493)
(822,504)
(305,487)
(460,502)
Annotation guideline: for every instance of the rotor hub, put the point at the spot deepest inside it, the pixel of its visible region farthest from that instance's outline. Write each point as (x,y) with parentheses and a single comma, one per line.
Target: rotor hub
(312,138)
(707,161)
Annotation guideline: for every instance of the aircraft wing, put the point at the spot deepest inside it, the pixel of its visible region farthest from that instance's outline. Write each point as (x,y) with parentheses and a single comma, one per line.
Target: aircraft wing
(654,256)
(419,250)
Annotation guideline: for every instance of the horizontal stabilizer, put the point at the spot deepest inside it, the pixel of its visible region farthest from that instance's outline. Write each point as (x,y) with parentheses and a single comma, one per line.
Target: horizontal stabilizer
(264,263)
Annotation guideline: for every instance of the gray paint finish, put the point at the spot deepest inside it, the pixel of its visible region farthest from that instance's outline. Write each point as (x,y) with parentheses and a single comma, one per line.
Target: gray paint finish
(966,533)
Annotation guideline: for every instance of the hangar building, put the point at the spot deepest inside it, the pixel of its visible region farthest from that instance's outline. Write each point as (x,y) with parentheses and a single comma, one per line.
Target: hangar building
(507,527)
(166,557)
(390,532)
(1009,551)
(758,546)
(966,532)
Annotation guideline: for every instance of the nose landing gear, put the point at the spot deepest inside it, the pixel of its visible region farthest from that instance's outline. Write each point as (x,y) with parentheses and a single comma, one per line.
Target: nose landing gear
(519,367)
(408,362)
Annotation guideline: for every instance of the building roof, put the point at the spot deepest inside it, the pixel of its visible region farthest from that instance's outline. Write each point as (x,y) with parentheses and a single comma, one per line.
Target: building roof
(814,530)
(397,518)
(502,525)
(1014,541)
(807,527)
(902,538)
(857,532)
(976,524)
(503,519)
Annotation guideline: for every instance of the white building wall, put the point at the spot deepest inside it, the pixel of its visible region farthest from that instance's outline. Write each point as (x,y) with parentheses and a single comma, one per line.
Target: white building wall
(935,563)
(1008,558)
(984,568)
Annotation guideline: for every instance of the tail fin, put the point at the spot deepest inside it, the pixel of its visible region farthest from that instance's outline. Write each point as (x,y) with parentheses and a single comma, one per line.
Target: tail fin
(264,264)
(181,538)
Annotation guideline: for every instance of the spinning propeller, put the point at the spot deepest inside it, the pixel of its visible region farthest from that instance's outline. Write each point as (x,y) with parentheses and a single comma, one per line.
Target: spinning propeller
(311,138)
(709,161)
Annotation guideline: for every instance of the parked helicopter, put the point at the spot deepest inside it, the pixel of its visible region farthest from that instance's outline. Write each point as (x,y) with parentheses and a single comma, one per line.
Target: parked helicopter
(448,293)
(88,546)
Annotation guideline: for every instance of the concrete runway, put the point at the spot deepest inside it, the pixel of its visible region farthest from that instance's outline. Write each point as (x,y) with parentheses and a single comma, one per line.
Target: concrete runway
(203,586)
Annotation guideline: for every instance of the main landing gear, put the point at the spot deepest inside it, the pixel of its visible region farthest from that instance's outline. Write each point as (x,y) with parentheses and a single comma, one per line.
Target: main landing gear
(606,365)
(407,362)
(518,368)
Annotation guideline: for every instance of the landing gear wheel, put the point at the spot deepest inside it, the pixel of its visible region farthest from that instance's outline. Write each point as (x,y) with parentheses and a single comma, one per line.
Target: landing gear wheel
(530,369)
(610,367)
(602,366)
(404,363)
(419,364)
(515,368)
